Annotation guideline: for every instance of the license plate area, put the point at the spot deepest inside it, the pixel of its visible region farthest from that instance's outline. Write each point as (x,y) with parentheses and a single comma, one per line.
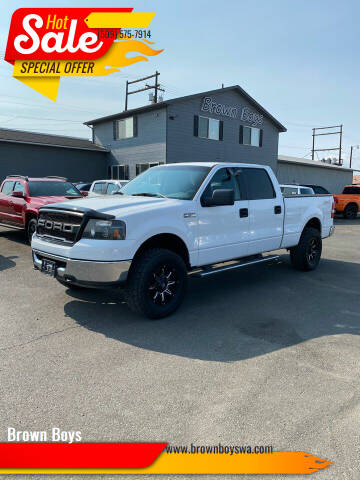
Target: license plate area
(48,267)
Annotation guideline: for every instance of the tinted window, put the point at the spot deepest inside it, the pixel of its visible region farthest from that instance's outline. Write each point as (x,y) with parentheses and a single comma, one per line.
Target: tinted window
(19,187)
(53,189)
(112,187)
(320,190)
(223,178)
(99,187)
(306,191)
(7,188)
(84,186)
(258,183)
(351,191)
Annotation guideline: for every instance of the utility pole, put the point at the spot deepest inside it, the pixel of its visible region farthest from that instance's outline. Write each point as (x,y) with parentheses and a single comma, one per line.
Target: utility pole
(315,134)
(351,152)
(155,87)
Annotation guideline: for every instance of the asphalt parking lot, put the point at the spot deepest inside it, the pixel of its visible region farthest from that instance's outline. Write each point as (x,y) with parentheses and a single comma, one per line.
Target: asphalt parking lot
(262,356)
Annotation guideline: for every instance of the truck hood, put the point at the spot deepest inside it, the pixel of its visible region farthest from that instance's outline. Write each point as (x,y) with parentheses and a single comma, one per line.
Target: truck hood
(40,201)
(119,205)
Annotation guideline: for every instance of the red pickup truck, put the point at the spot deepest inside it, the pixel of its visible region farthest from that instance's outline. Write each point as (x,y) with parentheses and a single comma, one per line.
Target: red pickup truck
(21,197)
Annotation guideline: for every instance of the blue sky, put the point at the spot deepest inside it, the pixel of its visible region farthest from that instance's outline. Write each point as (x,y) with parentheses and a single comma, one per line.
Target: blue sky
(299,59)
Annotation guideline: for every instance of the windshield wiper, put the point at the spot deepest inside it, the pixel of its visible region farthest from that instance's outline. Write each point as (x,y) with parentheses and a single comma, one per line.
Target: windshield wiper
(146,194)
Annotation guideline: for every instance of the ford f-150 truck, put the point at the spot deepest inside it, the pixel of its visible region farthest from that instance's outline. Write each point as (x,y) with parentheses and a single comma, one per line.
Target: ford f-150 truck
(348,202)
(21,197)
(175,220)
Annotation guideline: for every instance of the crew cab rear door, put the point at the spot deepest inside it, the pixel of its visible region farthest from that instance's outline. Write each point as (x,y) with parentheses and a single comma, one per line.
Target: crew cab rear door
(266,210)
(6,210)
(223,230)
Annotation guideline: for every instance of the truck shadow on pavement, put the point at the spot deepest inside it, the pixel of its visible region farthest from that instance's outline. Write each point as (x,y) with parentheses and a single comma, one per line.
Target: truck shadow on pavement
(17,236)
(235,315)
(7,262)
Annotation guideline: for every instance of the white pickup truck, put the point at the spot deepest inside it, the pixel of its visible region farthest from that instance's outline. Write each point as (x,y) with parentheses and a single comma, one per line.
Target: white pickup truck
(175,220)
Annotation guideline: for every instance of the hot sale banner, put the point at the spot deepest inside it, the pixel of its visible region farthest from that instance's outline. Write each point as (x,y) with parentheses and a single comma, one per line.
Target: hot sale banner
(45,44)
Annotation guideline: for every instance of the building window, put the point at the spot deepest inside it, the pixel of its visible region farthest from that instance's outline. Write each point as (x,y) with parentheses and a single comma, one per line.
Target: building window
(210,128)
(250,136)
(125,128)
(119,172)
(142,167)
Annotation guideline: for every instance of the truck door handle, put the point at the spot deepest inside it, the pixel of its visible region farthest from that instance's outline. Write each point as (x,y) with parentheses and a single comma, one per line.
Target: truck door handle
(243,212)
(277,209)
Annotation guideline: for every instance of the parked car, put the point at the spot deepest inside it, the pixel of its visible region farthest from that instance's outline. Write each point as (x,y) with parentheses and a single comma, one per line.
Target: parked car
(318,189)
(348,202)
(177,219)
(106,187)
(83,187)
(21,197)
(296,190)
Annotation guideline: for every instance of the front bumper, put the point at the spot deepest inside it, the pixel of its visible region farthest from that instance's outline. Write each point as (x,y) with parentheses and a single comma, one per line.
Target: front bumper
(85,272)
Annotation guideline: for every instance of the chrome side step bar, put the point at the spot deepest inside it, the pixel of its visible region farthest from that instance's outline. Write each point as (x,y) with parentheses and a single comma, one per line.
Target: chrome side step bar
(242,263)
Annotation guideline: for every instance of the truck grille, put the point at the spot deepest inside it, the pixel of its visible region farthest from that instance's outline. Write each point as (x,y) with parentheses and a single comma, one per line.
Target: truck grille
(59,226)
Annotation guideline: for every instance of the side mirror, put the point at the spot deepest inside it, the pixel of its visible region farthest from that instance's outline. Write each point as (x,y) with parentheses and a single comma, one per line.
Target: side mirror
(18,194)
(220,197)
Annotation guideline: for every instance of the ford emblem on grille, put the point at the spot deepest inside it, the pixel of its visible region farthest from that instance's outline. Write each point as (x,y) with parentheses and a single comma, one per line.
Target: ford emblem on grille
(55,226)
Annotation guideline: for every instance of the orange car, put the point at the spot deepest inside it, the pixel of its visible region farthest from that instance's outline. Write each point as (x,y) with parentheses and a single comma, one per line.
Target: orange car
(348,202)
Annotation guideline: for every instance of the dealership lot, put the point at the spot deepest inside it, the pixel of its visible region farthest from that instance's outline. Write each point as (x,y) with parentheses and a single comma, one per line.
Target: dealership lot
(263,356)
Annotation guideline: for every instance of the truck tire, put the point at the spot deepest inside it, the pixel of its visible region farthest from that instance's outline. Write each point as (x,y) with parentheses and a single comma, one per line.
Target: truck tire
(306,255)
(350,211)
(30,228)
(157,283)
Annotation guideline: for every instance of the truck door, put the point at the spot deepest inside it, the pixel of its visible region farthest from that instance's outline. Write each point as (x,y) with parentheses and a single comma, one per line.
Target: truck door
(266,211)
(223,230)
(17,204)
(6,211)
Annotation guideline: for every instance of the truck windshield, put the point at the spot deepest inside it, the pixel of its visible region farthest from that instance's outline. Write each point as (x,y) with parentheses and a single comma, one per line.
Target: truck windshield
(53,189)
(180,182)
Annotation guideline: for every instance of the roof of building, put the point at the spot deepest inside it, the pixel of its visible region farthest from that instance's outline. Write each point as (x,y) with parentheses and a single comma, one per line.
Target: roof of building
(311,163)
(46,139)
(154,106)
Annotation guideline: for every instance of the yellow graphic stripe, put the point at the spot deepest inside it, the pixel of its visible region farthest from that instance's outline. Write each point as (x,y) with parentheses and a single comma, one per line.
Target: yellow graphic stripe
(209,463)
(119,19)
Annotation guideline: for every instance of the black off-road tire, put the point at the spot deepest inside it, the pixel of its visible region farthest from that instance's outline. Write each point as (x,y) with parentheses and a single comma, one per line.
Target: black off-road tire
(30,229)
(143,284)
(306,255)
(350,212)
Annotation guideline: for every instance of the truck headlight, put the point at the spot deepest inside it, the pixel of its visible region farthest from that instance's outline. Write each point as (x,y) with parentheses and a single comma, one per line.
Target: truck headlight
(105,229)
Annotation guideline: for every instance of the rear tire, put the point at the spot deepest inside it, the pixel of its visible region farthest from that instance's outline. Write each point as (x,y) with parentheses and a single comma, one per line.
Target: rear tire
(157,283)
(30,229)
(350,211)
(306,255)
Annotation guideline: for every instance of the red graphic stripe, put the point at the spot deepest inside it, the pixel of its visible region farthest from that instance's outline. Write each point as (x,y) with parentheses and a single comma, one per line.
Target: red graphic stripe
(79,455)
